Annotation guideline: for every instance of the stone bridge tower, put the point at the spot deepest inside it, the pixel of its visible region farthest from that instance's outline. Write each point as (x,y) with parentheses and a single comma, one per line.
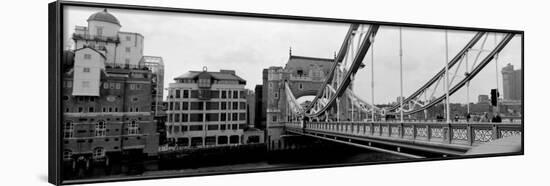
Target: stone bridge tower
(305,75)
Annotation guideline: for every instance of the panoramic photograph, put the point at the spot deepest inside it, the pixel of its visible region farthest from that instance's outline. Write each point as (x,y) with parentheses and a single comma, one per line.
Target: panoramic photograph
(149,93)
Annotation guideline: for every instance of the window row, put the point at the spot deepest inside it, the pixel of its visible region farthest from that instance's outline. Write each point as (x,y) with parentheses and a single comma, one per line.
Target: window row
(210,105)
(223,94)
(226,82)
(100,129)
(97,153)
(200,117)
(108,85)
(172,129)
(208,141)
(103,109)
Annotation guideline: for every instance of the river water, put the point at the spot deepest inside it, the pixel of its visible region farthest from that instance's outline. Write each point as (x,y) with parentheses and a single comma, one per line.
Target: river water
(212,162)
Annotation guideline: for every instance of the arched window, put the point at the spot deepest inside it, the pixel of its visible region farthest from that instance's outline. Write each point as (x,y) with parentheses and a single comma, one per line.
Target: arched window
(100,128)
(99,152)
(133,127)
(68,129)
(67,154)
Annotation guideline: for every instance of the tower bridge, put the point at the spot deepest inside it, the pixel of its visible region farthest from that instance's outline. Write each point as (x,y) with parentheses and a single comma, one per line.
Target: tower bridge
(339,115)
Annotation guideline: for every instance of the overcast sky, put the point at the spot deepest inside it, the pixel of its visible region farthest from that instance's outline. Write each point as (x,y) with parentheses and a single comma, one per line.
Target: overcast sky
(247,45)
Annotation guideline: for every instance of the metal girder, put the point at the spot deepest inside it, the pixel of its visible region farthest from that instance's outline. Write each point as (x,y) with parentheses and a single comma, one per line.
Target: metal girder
(356,63)
(435,78)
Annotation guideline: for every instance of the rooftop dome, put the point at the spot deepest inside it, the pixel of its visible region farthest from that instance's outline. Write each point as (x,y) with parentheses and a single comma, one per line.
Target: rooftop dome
(104,16)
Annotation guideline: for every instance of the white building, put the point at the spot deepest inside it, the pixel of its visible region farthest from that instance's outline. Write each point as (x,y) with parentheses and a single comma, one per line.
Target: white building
(206,109)
(103,33)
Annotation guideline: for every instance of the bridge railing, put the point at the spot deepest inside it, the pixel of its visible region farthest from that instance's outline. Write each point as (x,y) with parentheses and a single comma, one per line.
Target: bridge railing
(469,134)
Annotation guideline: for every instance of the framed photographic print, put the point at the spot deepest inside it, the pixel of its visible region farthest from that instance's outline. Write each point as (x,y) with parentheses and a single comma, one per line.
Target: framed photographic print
(140,92)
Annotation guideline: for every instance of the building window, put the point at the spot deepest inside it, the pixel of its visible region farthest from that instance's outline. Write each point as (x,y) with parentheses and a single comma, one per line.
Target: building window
(270,84)
(177,118)
(106,85)
(224,106)
(242,105)
(212,105)
(223,117)
(235,105)
(100,128)
(222,140)
(80,109)
(242,116)
(88,56)
(112,85)
(99,153)
(85,84)
(194,94)
(242,94)
(117,85)
(224,94)
(276,95)
(132,86)
(99,31)
(197,106)
(195,128)
(67,84)
(91,109)
(235,94)
(184,117)
(67,154)
(301,86)
(274,119)
(184,105)
(212,117)
(127,61)
(68,129)
(86,69)
(138,86)
(128,49)
(128,38)
(196,118)
(234,117)
(178,93)
(133,127)
(185,94)
(135,99)
(234,139)
(177,106)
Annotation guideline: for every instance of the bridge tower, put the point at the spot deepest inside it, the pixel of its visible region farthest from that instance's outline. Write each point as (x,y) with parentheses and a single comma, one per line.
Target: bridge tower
(304,75)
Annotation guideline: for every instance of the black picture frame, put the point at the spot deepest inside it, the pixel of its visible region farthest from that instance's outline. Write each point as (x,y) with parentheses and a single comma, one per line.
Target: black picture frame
(55,33)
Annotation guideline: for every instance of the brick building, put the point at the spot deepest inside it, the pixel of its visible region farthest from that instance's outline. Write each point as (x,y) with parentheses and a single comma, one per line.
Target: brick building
(107,96)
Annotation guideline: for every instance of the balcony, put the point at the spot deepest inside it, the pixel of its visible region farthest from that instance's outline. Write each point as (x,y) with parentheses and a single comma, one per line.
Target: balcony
(125,66)
(88,37)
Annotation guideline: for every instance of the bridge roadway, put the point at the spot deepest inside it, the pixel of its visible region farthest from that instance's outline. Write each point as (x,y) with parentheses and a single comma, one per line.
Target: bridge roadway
(412,139)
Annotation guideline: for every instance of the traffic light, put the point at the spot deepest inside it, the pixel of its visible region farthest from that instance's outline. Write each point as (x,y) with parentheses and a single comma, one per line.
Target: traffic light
(494,97)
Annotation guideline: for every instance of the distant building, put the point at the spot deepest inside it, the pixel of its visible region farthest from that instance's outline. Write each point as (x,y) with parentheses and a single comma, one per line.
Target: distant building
(106,95)
(206,109)
(483,98)
(304,77)
(250,107)
(259,118)
(512,83)
(156,65)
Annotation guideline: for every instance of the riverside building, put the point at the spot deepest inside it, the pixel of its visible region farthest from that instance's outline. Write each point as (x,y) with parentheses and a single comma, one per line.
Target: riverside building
(207,109)
(107,96)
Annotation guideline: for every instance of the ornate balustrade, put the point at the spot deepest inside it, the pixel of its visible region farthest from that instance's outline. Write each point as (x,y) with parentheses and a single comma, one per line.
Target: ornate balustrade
(469,134)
